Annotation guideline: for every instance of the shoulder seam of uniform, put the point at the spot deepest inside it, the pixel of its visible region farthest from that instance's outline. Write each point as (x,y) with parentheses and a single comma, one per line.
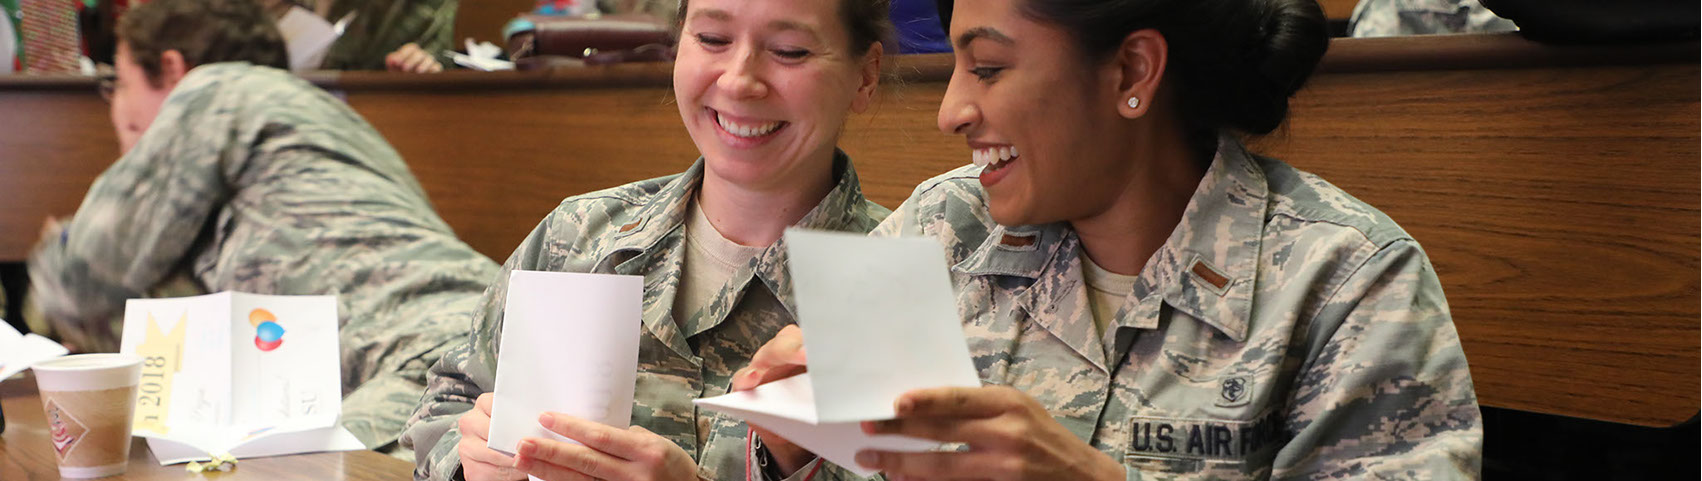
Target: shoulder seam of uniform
(938,182)
(1357,267)
(623,193)
(1379,250)
(1312,320)
(1397,234)
(1365,236)
(595,197)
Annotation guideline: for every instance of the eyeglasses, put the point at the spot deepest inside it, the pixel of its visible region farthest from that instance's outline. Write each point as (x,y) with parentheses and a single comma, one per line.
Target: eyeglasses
(107,84)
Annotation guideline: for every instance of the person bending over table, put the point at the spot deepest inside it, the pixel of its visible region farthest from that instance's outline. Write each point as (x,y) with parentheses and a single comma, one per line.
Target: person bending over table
(242,177)
(1143,296)
(764,88)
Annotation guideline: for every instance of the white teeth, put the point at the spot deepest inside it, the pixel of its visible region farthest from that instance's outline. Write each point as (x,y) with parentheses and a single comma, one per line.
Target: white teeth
(746,130)
(989,156)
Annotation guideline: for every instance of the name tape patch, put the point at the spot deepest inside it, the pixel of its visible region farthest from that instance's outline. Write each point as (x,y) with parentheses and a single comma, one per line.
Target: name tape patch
(1202,439)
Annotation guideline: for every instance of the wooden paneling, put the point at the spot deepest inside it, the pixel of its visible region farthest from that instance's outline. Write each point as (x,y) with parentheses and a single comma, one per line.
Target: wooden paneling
(504,159)
(1555,188)
(1559,207)
(483,19)
(52,145)
(507,156)
(1333,9)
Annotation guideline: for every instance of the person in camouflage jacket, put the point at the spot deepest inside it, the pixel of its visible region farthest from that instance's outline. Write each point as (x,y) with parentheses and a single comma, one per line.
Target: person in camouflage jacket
(243,177)
(1145,299)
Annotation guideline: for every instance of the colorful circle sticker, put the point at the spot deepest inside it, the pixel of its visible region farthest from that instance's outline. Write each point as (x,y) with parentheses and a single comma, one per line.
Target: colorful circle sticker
(268,334)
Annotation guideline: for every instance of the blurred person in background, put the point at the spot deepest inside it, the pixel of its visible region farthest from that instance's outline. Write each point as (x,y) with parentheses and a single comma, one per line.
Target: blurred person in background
(378,30)
(1392,18)
(237,175)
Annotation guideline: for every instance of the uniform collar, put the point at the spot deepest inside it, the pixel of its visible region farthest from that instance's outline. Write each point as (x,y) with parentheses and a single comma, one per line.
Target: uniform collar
(660,214)
(841,209)
(1206,268)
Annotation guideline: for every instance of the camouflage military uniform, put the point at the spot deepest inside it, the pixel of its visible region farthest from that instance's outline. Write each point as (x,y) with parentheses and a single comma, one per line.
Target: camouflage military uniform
(1285,330)
(1390,18)
(255,181)
(637,229)
(382,26)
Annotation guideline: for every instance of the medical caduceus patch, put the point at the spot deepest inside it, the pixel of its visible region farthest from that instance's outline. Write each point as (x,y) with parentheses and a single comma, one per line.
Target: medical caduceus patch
(1234,391)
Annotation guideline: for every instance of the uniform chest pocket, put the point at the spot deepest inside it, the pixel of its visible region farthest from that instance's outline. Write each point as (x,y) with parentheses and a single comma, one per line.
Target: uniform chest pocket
(1190,448)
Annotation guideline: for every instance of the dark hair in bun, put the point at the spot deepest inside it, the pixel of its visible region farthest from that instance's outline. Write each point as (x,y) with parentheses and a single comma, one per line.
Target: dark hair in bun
(1233,63)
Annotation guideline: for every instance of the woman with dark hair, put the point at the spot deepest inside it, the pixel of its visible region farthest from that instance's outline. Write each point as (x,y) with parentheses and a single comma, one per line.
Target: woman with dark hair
(1145,298)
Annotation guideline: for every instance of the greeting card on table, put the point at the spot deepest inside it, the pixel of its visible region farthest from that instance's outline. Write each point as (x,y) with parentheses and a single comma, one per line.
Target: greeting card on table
(18,351)
(247,374)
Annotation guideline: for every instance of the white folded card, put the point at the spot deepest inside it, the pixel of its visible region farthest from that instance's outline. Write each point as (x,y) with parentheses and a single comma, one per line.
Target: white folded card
(569,345)
(18,351)
(248,374)
(879,320)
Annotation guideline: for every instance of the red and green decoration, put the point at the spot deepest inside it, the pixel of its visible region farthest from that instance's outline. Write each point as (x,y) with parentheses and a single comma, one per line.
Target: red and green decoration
(11,41)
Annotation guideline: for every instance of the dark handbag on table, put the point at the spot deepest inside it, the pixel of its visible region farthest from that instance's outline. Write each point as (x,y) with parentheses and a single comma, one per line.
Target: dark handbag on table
(536,41)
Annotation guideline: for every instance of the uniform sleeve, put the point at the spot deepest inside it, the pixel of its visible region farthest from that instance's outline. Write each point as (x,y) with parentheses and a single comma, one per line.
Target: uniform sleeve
(135,226)
(903,222)
(463,373)
(1385,393)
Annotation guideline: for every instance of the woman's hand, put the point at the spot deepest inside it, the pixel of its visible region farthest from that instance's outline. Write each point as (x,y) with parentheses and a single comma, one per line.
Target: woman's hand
(1010,437)
(412,59)
(780,358)
(478,461)
(633,454)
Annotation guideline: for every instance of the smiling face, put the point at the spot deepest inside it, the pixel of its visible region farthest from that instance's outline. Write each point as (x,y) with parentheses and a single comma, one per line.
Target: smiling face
(764,88)
(1044,120)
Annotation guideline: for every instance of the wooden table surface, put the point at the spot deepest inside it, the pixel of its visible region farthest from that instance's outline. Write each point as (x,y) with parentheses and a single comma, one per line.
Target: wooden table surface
(26,453)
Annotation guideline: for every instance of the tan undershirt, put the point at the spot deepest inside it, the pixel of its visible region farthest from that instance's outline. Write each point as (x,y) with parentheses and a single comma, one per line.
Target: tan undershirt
(1106,292)
(710,261)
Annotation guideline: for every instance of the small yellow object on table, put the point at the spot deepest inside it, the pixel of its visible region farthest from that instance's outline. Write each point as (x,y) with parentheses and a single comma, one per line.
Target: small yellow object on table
(220,462)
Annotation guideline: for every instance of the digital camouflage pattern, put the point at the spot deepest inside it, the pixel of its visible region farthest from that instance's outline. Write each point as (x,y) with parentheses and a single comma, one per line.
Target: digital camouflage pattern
(638,229)
(253,180)
(1391,18)
(1285,330)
